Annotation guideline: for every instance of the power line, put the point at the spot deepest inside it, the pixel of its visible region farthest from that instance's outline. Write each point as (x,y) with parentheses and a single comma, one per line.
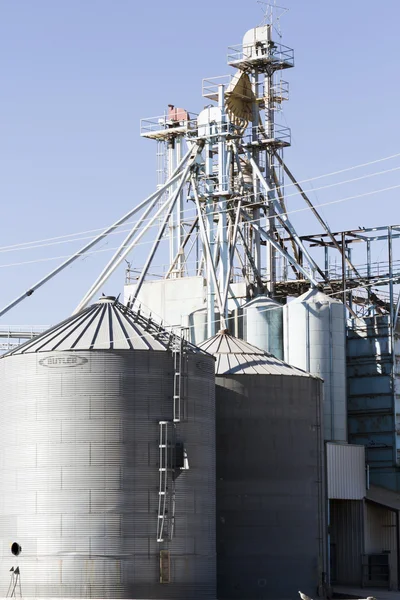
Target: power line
(216,321)
(367,164)
(306,208)
(65,238)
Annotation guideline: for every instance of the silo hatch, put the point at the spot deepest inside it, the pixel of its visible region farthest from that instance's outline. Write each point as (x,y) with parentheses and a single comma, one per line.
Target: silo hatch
(164,567)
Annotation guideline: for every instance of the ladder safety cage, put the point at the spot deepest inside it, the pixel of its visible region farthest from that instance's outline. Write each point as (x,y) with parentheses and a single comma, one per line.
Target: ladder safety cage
(180,376)
(166,491)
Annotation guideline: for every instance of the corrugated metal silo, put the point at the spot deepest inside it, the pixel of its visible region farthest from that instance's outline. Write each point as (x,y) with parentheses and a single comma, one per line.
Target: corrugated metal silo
(315,340)
(94,449)
(270,493)
(263,325)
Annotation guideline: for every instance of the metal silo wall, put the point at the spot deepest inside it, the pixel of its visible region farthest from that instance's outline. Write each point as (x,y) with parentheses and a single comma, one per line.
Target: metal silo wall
(79,478)
(315,341)
(263,325)
(270,492)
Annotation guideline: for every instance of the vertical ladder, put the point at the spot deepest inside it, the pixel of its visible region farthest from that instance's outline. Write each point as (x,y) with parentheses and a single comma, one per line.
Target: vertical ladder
(180,376)
(162,172)
(166,490)
(163,483)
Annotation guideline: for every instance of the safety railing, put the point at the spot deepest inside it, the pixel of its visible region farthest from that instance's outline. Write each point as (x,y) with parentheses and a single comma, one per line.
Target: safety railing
(210,86)
(163,125)
(276,55)
(277,136)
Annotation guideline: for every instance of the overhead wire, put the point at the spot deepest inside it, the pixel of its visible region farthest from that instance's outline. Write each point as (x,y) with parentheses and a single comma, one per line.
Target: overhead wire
(305,208)
(174,329)
(269,309)
(66,238)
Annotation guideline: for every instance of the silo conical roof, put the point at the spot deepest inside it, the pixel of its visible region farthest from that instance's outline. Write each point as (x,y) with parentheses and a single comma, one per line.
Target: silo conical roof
(237,357)
(105,325)
(314,295)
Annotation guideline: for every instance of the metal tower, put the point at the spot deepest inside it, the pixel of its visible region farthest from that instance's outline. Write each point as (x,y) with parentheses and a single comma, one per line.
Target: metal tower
(218,222)
(223,192)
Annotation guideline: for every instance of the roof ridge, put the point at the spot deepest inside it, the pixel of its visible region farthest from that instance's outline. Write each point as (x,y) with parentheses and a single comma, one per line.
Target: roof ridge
(238,357)
(93,329)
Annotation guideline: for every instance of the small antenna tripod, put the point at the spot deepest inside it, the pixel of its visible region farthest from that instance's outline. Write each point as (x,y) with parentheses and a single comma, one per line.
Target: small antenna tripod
(14,589)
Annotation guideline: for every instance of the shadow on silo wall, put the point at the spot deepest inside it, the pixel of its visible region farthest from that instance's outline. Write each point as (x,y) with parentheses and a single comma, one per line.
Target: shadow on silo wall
(269,486)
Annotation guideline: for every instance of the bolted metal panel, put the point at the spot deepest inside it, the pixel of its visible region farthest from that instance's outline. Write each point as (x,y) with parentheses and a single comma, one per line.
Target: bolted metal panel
(346,471)
(270,499)
(314,340)
(79,474)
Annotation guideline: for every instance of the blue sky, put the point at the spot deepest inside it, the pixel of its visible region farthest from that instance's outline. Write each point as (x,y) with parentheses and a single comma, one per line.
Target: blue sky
(77,76)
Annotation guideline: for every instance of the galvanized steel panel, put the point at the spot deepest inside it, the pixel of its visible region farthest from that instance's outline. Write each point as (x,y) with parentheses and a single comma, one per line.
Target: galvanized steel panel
(270,486)
(314,340)
(347,541)
(237,357)
(106,325)
(79,474)
(346,475)
(381,537)
(263,325)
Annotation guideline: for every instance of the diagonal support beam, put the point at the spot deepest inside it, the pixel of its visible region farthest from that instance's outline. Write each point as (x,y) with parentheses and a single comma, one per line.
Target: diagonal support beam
(283,218)
(166,218)
(284,253)
(316,213)
(249,255)
(231,257)
(209,257)
(127,244)
(90,245)
(182,247)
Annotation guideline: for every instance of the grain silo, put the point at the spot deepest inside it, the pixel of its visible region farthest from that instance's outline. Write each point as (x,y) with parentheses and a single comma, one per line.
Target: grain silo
(107,460)
(263,324)
(315,340)
(270,512)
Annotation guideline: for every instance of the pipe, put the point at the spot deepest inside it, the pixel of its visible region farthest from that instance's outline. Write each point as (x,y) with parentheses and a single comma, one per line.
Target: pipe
(87,247)
(282,251)
(128,249)
(171,206)
(283,218)
(109,268)
(231,256)
(210,263)
(182,247)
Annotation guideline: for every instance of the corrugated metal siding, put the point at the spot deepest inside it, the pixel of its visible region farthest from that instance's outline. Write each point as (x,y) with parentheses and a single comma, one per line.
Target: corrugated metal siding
(381,535)
(371,400)
(346,475)
(79,478)
(105,325)
(347,540)
(237,357)
(269,486)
